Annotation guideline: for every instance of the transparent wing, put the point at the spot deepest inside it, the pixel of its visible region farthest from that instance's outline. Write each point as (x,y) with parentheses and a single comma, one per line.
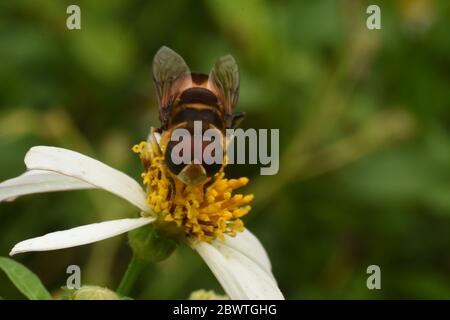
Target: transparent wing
(168,66)
(225,75)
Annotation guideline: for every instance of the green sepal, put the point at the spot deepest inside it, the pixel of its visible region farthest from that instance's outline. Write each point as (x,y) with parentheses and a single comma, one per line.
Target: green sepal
(151,244)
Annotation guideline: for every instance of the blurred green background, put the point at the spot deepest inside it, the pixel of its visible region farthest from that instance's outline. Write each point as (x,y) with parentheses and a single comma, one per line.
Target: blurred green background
(364,120)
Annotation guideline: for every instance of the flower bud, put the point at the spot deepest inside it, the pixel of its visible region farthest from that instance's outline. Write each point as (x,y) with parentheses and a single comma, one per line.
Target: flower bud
(94,293)
(207,295)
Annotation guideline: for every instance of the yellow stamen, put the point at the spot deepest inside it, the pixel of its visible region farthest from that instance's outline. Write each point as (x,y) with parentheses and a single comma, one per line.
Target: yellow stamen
(204,211)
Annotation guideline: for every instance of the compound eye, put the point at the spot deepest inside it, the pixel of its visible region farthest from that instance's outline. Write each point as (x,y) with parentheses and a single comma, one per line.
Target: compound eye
(215,136)
(173,167)
(212,169)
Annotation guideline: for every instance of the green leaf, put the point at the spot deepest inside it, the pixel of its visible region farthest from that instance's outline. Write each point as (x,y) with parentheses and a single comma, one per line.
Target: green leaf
(24,280)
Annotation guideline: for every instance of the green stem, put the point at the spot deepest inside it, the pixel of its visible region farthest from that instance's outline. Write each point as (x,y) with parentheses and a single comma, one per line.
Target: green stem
(129,278)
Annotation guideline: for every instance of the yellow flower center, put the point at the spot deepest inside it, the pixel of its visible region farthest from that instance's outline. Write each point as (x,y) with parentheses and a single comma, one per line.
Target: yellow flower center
(204,211)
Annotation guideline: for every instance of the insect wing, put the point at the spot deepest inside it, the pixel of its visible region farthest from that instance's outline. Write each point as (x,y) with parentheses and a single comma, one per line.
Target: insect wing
(168,66)
(225,76)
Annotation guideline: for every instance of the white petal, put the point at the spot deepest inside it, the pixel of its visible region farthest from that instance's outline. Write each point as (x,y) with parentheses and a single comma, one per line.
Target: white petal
(38,181)
(241,277)
(80,235)
(246,243)
(84,168)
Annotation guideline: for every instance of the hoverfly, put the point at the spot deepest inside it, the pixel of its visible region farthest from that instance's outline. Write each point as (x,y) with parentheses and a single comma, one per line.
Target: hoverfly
(185,98)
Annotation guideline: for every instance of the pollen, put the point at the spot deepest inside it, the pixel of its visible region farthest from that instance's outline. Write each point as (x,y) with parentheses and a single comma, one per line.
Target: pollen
(204,211)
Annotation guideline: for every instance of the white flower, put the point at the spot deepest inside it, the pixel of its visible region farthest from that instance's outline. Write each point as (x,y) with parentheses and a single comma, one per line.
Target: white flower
(240,263)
